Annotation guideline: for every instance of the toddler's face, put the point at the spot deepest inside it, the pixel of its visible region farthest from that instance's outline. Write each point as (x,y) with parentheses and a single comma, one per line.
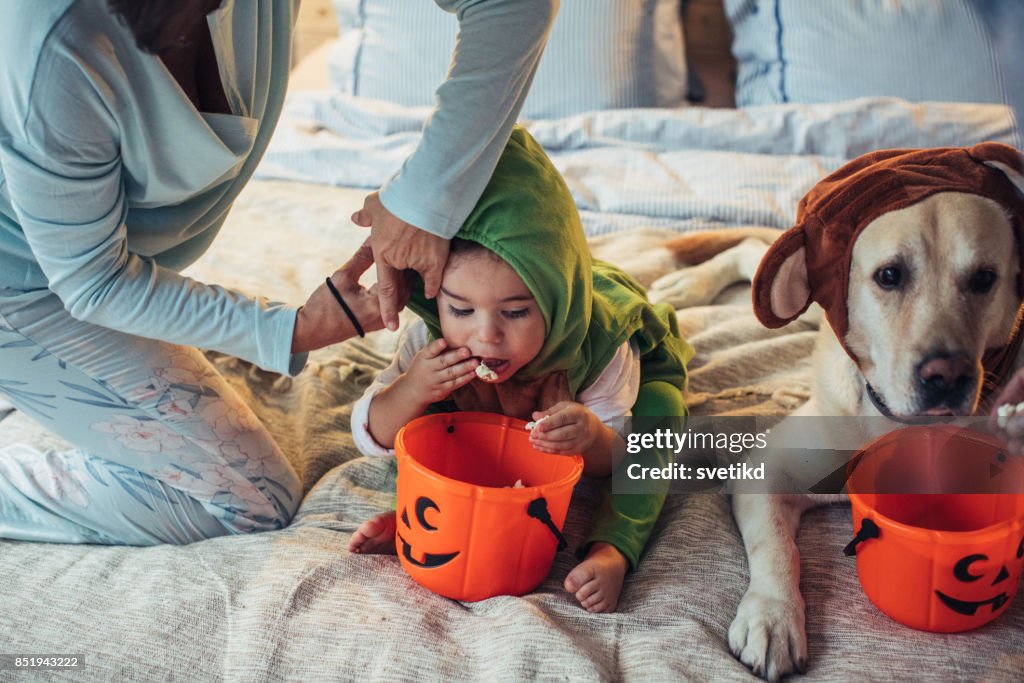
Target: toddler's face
(485,306)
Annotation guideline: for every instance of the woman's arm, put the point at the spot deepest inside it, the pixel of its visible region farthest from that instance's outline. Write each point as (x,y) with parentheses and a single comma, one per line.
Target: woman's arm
(499,46)
(61,157)
(70,203)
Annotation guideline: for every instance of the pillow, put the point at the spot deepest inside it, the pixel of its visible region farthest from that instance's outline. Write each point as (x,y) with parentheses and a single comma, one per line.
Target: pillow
(828,50)
(602,54)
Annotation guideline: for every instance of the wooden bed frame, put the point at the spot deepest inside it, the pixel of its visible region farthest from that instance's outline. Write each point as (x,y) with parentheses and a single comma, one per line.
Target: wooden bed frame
(708,51)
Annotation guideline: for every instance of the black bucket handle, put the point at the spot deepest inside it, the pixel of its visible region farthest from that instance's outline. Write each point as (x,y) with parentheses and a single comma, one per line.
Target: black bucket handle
(538,509)
(868,529)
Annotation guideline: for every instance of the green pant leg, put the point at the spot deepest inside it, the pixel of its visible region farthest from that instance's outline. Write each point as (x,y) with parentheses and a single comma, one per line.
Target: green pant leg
(626,520)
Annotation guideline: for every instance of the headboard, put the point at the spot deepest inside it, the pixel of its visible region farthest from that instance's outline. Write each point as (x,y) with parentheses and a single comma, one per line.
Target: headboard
(708,38)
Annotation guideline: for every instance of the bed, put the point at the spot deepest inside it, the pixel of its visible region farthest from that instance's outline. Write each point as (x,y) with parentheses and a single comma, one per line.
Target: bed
(295,605)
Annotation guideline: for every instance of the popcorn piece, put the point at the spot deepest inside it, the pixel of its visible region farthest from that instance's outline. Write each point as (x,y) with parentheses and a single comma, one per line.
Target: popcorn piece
(1006,411)
(1003,414)
(485,373)
(530,426)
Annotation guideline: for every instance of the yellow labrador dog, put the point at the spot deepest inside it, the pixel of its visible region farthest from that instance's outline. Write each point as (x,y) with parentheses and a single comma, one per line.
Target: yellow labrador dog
(919,276)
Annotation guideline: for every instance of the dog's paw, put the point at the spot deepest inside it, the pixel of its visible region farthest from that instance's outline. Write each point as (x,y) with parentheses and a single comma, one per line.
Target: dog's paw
(768,634)
(696,286)
(640,252)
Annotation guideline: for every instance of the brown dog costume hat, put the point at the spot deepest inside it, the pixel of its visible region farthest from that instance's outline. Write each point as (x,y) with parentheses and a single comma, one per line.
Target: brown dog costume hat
(810,262)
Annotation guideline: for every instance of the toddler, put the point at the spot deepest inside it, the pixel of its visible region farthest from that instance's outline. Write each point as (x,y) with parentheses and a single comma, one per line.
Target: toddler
(572,346)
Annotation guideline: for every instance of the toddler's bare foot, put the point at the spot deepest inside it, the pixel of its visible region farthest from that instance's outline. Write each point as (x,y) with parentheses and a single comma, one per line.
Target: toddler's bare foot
(597,581)
(375,535)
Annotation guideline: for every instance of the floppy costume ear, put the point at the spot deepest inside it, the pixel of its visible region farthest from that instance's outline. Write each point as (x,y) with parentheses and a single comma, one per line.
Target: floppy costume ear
(800,267)
(1010,163)
(1006,159)
(780,288)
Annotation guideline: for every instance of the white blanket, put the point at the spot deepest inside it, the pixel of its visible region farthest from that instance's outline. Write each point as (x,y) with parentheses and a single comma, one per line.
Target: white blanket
(681,169)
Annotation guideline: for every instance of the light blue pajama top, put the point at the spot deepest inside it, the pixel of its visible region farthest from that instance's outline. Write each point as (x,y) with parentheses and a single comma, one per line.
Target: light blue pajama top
(111,182)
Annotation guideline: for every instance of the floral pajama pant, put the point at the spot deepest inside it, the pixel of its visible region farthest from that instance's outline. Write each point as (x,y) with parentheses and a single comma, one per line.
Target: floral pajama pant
(164,450)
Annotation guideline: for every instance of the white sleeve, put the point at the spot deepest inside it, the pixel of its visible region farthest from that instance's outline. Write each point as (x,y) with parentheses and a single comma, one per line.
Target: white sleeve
(614,392)
(499,46)
(415,338)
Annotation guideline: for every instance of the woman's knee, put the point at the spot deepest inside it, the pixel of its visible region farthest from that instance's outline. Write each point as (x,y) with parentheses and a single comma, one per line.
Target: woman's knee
(270,507)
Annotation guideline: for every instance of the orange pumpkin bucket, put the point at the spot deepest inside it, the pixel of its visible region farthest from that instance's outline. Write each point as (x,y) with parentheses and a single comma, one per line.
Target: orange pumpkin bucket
(950,559)
(462,531)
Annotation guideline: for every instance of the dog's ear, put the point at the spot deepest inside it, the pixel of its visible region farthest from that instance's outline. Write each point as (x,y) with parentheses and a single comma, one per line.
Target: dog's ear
(780,289)
(1002,157)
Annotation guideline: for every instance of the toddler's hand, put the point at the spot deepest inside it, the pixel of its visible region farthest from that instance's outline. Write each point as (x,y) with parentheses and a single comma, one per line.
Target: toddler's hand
(570,428)
(436,372)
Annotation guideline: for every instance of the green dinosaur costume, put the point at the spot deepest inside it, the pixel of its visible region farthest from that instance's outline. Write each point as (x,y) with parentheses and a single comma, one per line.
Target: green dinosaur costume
(527,217)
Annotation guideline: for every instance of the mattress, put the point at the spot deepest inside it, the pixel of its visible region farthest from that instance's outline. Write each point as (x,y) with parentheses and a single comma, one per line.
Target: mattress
(295,605)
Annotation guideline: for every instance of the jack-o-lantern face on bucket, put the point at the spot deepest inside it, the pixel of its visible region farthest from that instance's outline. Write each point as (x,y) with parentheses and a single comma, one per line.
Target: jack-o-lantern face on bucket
(430,560)
(971,570)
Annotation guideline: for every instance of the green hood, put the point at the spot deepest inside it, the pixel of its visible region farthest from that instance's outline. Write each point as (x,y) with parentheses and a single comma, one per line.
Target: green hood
(527,216)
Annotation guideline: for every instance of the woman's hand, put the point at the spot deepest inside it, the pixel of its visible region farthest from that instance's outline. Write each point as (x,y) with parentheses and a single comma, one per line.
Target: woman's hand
(322,322)
(398,246)
(436,372)
(567,428)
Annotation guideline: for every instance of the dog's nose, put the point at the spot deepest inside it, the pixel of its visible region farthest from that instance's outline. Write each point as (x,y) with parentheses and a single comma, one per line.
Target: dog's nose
(945,378)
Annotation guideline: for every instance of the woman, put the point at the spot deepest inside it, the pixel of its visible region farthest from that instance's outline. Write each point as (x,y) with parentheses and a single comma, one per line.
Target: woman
(127,129)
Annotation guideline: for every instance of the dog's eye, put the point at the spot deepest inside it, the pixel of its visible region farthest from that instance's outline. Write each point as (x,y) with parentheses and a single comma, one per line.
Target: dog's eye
(889,277)
(982,281)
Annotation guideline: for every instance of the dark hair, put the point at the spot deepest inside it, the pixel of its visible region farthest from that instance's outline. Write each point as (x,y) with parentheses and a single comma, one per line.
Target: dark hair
(146,19)
(461,247)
